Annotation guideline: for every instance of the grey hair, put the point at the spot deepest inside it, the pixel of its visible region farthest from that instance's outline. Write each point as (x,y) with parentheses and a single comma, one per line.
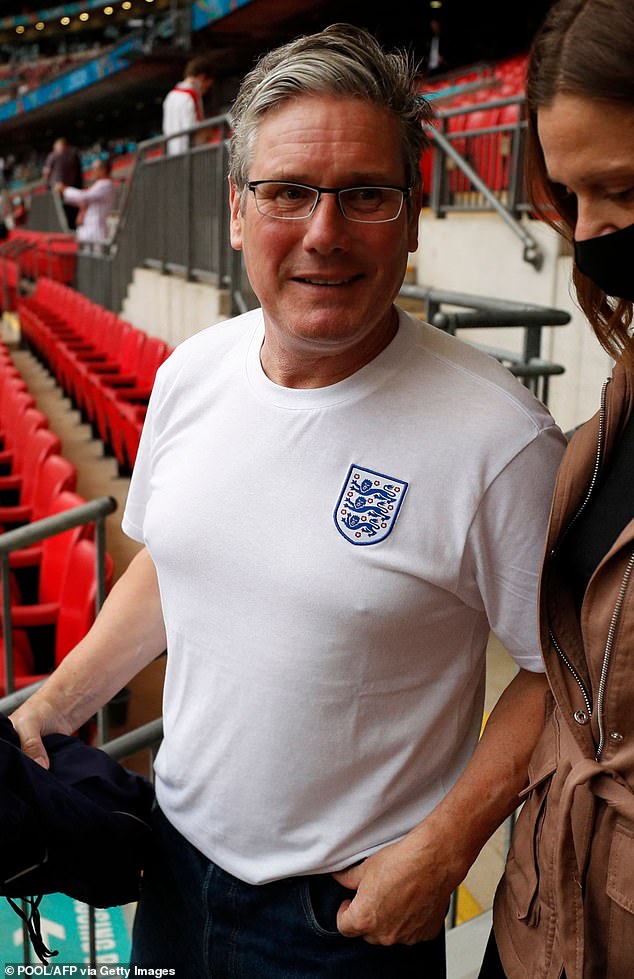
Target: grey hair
(340,60)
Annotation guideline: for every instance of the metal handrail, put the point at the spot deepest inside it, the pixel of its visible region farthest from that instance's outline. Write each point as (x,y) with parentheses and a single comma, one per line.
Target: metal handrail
(489,312)
(94,511)
(147,736)
(532,253)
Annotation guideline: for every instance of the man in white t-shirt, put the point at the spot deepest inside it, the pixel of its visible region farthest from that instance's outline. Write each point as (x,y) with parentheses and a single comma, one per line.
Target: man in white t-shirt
(338,503)
(183,106)
(96,204)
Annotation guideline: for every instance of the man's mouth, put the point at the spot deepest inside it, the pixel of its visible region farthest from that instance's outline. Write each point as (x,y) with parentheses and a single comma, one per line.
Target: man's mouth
(328,283)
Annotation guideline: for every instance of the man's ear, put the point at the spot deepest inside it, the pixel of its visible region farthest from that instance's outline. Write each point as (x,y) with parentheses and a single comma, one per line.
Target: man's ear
(235,226)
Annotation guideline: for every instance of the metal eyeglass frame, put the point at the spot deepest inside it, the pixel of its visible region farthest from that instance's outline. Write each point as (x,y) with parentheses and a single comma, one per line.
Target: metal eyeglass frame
(337,191)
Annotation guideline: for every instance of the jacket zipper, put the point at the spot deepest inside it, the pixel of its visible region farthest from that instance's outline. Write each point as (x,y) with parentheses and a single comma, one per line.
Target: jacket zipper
(616,613)
(608,653)
(595,473)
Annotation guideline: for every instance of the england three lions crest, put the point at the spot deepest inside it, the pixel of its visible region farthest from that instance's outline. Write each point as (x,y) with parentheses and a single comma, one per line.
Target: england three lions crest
(368,505)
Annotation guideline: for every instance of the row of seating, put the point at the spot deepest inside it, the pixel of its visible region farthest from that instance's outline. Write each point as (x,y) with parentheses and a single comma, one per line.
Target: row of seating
(481,134)
(53,583)
(103,363)
(30,254)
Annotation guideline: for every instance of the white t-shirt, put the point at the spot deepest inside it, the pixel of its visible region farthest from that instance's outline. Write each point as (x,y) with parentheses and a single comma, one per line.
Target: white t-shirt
(181,110)
(99,202)
(330,563)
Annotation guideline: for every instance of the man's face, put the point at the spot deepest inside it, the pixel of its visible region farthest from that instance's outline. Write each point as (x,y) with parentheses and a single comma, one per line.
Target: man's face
(326,284)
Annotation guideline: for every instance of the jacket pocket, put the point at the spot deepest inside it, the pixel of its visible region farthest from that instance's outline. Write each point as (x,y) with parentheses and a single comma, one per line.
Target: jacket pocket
(621,867)
(620,889)
(522,867)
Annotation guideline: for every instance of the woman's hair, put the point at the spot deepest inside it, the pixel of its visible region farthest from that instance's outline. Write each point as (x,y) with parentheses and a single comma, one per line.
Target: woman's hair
(340,60)
(583,48)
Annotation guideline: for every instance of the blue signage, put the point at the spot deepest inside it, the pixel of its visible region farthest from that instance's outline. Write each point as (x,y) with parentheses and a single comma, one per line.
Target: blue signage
(206,11)
(94,71)
(65,928)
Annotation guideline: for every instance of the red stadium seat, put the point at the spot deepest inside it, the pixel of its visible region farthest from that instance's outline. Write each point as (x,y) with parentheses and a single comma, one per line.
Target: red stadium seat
(75,614)
(54,475)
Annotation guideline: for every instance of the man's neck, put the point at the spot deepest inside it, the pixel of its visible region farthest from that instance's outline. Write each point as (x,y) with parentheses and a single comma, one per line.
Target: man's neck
(320,368)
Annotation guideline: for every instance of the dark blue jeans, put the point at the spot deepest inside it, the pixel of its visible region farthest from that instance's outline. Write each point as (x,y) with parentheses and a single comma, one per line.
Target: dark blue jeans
(205,924)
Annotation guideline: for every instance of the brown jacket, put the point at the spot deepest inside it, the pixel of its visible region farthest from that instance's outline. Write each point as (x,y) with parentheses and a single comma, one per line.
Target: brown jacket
(567,895)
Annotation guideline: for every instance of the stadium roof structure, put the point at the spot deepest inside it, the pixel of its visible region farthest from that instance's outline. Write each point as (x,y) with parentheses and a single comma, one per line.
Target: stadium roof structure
(120,92)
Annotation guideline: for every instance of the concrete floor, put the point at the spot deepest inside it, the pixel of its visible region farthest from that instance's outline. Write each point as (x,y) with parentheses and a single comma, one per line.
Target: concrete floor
(98,476)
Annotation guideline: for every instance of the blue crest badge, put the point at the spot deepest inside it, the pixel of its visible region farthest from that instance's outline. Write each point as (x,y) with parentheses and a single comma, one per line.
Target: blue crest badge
(368,505)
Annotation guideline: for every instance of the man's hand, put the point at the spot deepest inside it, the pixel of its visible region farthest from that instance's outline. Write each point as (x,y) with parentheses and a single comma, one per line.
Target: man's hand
(402,893)
(32,721)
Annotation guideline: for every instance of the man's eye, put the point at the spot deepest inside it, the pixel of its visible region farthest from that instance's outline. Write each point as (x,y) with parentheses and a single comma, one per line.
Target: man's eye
(292,194)
(366,195)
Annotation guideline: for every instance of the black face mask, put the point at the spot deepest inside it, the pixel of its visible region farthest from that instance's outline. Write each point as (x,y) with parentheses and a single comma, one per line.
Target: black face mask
(609,261)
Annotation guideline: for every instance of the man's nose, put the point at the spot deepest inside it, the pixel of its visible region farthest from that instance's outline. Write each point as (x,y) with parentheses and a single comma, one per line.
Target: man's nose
(327,228)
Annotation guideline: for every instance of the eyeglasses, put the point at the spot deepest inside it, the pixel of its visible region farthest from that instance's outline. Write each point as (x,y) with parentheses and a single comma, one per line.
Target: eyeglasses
(292,202)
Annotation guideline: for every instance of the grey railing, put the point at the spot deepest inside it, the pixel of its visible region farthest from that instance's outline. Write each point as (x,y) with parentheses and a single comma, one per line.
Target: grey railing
(479,168)
(174,216)
(485,312)
(94,511)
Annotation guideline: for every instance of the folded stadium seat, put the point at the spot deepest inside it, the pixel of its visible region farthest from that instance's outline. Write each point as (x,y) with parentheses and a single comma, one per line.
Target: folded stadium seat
(17,489)
(122,358)
(481,148)
(509,115)
(26,562)
(48,558)
(18,433)
(57,257)
(54,318)
(123,403)
(14,401)
(75,615)
(44,253)
(35,598)
(54,475)
(23,664)
(69,327)
(129,435)
(127,389)
(122,371)
(9,282)
(106,340)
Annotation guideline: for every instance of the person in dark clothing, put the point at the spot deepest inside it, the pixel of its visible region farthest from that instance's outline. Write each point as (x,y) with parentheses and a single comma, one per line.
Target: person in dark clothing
(63,166)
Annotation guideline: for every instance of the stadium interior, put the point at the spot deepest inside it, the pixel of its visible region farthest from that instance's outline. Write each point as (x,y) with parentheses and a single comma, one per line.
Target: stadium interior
(96,72)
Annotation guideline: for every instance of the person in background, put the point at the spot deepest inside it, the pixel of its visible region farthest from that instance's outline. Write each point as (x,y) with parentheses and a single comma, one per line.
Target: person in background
(63,166)
(565,903)
(435,57)
(339,503)
(183,106)
(95,204)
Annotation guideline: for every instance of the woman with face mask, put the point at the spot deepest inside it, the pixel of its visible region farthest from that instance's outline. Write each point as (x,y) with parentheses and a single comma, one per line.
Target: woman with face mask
(565,906)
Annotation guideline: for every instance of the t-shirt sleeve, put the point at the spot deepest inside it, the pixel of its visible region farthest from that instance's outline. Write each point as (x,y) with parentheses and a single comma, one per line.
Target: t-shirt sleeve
(505,547)
(133,519)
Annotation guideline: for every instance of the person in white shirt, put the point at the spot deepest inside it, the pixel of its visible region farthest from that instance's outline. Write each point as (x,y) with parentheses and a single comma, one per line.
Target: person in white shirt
(96,203)
(183,105)
(337,504)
